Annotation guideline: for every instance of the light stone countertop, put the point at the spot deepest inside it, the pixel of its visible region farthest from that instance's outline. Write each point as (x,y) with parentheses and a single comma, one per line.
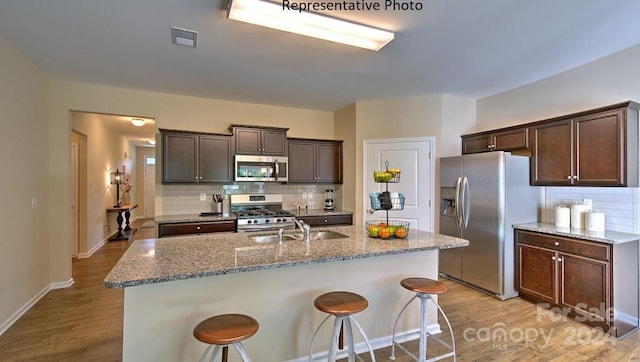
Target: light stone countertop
(169,219)
(177,258)
(607,237)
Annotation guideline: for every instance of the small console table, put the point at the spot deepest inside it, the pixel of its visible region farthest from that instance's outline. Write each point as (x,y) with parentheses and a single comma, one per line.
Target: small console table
(127,232)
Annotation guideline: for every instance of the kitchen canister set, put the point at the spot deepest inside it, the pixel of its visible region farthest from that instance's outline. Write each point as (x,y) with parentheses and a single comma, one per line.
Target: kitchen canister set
(579,216)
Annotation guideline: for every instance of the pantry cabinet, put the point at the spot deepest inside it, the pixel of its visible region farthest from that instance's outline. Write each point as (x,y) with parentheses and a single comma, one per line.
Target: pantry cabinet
(508,139)
(253,140)
(315,161)
(579,278)
(594,148)
(189,157)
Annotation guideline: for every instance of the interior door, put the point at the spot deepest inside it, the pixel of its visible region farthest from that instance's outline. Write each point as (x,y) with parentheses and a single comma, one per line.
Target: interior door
(413,157)
(149,186)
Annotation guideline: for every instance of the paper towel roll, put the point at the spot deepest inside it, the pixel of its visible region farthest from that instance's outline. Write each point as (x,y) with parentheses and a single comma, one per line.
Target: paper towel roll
(594,221)
(577,215)
(563,216)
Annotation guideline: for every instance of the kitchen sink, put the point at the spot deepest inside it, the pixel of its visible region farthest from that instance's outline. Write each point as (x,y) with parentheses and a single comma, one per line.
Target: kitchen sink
(322,235)
(272,238)
(314,235)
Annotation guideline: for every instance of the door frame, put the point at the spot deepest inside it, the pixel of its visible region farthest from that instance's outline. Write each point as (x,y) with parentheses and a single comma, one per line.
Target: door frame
(75,214)
(431,192)
(145,191)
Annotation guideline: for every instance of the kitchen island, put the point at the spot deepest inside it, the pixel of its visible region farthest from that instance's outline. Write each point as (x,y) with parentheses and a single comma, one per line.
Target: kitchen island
(171,284)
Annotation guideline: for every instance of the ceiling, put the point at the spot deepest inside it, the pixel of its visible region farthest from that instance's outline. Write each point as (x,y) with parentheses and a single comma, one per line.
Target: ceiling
(468,48)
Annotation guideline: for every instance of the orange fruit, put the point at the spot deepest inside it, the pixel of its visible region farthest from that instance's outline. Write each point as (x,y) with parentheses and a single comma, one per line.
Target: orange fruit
(382,225)
(401,232)
(384,233)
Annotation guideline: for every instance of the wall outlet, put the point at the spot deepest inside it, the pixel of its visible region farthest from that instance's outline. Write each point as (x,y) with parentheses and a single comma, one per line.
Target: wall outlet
(34,202)
(203,197)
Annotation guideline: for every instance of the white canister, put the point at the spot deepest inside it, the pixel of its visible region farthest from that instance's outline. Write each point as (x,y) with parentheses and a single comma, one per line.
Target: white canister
(577,215)
(563,216)
(594,221)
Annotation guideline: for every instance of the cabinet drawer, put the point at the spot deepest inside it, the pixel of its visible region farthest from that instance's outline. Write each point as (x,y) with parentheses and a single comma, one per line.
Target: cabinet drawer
(327,220)
(188,228)
(573,246)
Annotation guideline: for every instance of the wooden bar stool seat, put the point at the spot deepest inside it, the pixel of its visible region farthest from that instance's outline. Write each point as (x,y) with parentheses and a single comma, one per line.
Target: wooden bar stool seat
(224,330)
(341,305)
(424,288)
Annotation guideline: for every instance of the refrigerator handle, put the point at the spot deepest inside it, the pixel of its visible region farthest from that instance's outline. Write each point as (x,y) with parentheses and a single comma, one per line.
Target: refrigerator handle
(458,203)
(465,202)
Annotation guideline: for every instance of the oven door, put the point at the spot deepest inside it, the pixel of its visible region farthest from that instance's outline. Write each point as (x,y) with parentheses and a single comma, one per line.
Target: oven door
(261,168)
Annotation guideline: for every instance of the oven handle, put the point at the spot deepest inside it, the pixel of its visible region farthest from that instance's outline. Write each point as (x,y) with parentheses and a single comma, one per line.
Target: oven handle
(277,169)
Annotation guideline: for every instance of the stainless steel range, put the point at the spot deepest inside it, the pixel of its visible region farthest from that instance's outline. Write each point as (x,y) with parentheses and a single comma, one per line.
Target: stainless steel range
(260,212)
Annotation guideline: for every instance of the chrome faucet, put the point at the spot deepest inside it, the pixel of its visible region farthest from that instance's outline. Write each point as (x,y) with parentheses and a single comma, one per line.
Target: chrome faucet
(306,228)
(280,231)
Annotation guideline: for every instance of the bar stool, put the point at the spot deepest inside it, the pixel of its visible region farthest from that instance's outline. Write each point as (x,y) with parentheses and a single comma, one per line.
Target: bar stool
(224,330)
(424,288)
(341,305)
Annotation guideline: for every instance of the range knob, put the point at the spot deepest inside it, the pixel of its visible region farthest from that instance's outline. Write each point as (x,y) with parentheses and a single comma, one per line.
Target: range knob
(279,220)
(255,221)
(268,220)
(248,221)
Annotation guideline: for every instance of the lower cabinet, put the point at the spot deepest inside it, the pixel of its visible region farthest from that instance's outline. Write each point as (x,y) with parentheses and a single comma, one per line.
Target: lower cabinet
(579,278)
(193,228)
(330,220)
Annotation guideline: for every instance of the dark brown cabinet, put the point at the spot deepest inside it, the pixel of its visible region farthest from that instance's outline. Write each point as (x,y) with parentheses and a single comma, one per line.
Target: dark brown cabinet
(194,228)
(578,278)
(327,220)
(196,157)
(268,141)
(510,139)
(315,161)
(597,148)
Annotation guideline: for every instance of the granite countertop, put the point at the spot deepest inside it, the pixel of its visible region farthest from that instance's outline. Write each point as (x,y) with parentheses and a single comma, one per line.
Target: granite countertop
(318,212)
(169,259)
(169,219)
(608,237)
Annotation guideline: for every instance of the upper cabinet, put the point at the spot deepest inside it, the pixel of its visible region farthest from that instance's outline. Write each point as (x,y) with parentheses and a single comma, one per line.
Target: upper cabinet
(593,148)
(315,161)
(508,139)
(253,140)
(189,157)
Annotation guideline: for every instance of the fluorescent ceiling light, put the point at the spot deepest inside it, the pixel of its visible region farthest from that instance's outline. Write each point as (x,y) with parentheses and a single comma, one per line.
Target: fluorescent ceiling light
(275,16)
(137,122)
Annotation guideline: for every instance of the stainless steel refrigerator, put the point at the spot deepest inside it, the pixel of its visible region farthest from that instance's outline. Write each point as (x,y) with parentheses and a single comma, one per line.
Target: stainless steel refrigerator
(482,196)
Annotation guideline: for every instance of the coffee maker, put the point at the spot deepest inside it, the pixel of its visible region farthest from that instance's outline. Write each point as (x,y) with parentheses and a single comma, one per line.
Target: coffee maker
(329,203)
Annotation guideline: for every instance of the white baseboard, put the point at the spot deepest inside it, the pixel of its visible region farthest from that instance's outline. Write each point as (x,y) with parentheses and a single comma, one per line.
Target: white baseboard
(61,285)
(24,309)
(377,343)
(95,248)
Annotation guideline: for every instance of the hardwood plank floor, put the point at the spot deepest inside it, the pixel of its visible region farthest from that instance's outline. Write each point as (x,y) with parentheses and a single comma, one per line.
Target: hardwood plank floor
(84,323)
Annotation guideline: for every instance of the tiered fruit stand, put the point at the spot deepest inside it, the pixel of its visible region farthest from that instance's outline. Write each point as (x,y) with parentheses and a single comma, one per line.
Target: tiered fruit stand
(385,200)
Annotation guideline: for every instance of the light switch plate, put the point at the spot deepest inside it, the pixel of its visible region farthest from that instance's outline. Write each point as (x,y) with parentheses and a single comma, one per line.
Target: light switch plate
(203,197)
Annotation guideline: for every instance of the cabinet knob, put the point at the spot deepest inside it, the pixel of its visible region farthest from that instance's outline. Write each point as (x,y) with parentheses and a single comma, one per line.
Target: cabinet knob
(553,258)
(569,177)
(197,227)
(575,177)
(559,260)
(326,221)
(556,243)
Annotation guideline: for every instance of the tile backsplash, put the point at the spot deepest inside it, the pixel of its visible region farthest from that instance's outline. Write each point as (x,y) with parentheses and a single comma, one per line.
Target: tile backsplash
(619,204)
(185,199)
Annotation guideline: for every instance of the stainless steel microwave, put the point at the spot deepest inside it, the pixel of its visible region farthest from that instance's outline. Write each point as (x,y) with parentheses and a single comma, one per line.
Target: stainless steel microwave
(261,168)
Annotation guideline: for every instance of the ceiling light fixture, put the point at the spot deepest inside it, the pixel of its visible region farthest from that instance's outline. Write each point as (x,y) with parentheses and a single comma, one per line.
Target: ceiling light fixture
(137,122)
(277,16)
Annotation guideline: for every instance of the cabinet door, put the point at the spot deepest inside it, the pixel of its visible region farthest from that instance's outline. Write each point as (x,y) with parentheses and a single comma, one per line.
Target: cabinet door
(248,141)
(329,162)
(215,159)
(599,149)
(585,286)
(516,139)
(179,158)
(273,143)
(476,144)
(552,154)
(536,273)
(301,161)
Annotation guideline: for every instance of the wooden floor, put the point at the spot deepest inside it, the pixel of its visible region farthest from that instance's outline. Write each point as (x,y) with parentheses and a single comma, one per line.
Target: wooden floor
(84,323)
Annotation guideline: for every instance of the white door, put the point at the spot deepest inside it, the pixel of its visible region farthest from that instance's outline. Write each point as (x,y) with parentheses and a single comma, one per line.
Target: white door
(74,200)
(413,157)
(149,186)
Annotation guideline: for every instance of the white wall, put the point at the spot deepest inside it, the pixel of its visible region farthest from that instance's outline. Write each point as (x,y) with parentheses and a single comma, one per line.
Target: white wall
(24,245)
(610,80)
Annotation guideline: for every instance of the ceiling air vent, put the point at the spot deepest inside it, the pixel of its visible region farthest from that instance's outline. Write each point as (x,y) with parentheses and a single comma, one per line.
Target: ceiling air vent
(188,38)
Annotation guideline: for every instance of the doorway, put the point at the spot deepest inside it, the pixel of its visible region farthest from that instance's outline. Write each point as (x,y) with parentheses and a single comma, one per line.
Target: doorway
(413,156)
(149,186)
(78,194)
